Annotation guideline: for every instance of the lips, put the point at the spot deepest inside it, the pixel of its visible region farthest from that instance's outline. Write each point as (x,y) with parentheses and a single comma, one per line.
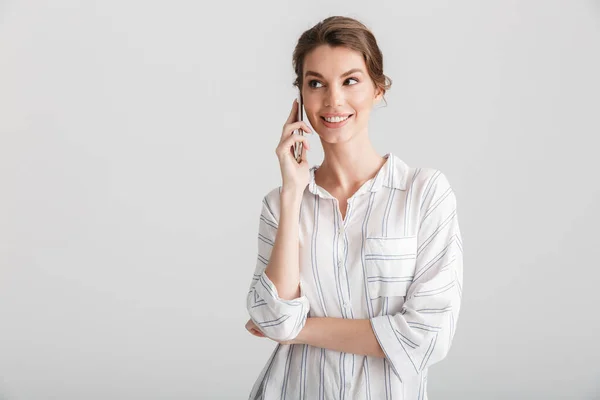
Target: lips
(336,124)
(336,115)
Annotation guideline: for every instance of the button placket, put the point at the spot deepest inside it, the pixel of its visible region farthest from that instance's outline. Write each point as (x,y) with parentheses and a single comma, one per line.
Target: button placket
(341,274)
(348,361)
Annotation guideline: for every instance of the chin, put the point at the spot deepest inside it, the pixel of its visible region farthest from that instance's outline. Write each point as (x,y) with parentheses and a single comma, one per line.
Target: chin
(334,136)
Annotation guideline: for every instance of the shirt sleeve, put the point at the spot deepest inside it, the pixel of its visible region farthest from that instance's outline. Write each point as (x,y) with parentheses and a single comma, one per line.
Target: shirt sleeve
(421,333)
(277,318)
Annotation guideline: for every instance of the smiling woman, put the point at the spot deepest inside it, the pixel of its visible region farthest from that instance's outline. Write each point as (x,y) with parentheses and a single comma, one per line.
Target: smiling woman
(339,70)
(359,270)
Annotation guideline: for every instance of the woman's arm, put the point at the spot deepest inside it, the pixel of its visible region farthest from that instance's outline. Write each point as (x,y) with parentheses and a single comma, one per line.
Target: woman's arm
(284,265)
(274,301)
(276,307)
(354,336)
(421,334)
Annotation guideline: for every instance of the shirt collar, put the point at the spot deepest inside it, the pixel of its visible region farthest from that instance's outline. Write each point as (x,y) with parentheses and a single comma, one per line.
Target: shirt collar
(392,174)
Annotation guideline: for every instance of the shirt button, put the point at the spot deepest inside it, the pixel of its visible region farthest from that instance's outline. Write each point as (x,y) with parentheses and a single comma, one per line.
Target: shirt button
(341,231)
(346,304)
(340,263)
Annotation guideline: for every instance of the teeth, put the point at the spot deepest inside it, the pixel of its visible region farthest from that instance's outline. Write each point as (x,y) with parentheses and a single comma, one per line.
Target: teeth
(336,119)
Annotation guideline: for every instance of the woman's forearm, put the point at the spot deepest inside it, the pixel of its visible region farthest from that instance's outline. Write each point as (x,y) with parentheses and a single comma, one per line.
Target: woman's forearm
(354,336)
(284,265)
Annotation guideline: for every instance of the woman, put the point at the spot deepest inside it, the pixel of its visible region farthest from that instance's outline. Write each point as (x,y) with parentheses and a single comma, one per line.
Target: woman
(359,272)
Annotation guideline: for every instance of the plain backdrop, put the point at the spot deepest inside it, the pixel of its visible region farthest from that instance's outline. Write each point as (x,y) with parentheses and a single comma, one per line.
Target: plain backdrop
(137,141)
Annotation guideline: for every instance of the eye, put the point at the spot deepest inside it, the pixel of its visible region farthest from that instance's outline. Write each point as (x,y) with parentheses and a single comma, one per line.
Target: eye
(310,83)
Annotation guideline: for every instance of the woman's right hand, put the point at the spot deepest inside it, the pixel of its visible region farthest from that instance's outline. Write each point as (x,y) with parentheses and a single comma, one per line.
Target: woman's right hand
(295,175)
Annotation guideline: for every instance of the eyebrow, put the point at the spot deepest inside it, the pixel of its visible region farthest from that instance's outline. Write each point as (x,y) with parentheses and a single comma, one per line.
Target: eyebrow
(318,75)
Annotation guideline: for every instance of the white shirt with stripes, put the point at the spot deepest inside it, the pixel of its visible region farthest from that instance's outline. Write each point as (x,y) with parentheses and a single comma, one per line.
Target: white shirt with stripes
(396,259)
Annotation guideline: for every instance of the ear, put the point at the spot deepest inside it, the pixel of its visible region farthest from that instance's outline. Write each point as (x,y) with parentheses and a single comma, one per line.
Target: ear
(378,96)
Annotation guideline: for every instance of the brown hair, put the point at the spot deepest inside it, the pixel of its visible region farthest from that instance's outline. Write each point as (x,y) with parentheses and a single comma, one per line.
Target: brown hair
(342,31)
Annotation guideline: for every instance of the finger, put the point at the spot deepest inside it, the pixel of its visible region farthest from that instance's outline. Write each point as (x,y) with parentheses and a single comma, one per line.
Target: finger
(250,325)
(288,129)
(288,144)
(294,128)
(293,113)
(304,156)
(258,333)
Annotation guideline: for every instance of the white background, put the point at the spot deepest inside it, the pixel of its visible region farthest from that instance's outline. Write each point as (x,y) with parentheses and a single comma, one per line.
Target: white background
(137,141)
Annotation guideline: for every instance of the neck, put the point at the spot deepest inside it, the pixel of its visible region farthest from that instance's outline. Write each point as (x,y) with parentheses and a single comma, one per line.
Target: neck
(346,167)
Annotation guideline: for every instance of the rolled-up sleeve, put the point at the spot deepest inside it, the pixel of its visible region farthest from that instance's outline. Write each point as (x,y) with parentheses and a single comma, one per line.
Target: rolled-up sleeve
(277,318)
(421,334)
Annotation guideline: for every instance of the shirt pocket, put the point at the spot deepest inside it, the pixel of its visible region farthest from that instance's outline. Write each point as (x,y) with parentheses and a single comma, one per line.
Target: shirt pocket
(390,265)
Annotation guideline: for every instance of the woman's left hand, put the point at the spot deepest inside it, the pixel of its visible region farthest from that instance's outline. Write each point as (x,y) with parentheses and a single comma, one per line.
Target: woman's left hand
(253,329)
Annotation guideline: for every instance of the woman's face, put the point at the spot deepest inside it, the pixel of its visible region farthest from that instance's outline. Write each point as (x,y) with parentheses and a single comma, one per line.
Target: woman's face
(336,81)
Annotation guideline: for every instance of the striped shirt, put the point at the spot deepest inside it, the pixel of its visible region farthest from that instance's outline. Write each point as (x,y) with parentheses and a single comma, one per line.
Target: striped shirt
(395,259)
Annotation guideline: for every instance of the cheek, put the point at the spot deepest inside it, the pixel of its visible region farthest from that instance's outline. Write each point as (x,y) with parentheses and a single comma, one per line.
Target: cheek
(310,113)
(312,118)
(362,101)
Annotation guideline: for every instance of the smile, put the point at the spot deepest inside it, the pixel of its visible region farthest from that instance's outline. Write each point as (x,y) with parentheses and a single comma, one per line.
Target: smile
(336,122)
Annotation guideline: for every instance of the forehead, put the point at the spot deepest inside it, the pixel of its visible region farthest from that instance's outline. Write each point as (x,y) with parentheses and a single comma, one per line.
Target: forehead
(333,61)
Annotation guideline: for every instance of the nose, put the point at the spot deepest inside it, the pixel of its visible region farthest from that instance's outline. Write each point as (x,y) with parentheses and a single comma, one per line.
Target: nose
(334,96)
